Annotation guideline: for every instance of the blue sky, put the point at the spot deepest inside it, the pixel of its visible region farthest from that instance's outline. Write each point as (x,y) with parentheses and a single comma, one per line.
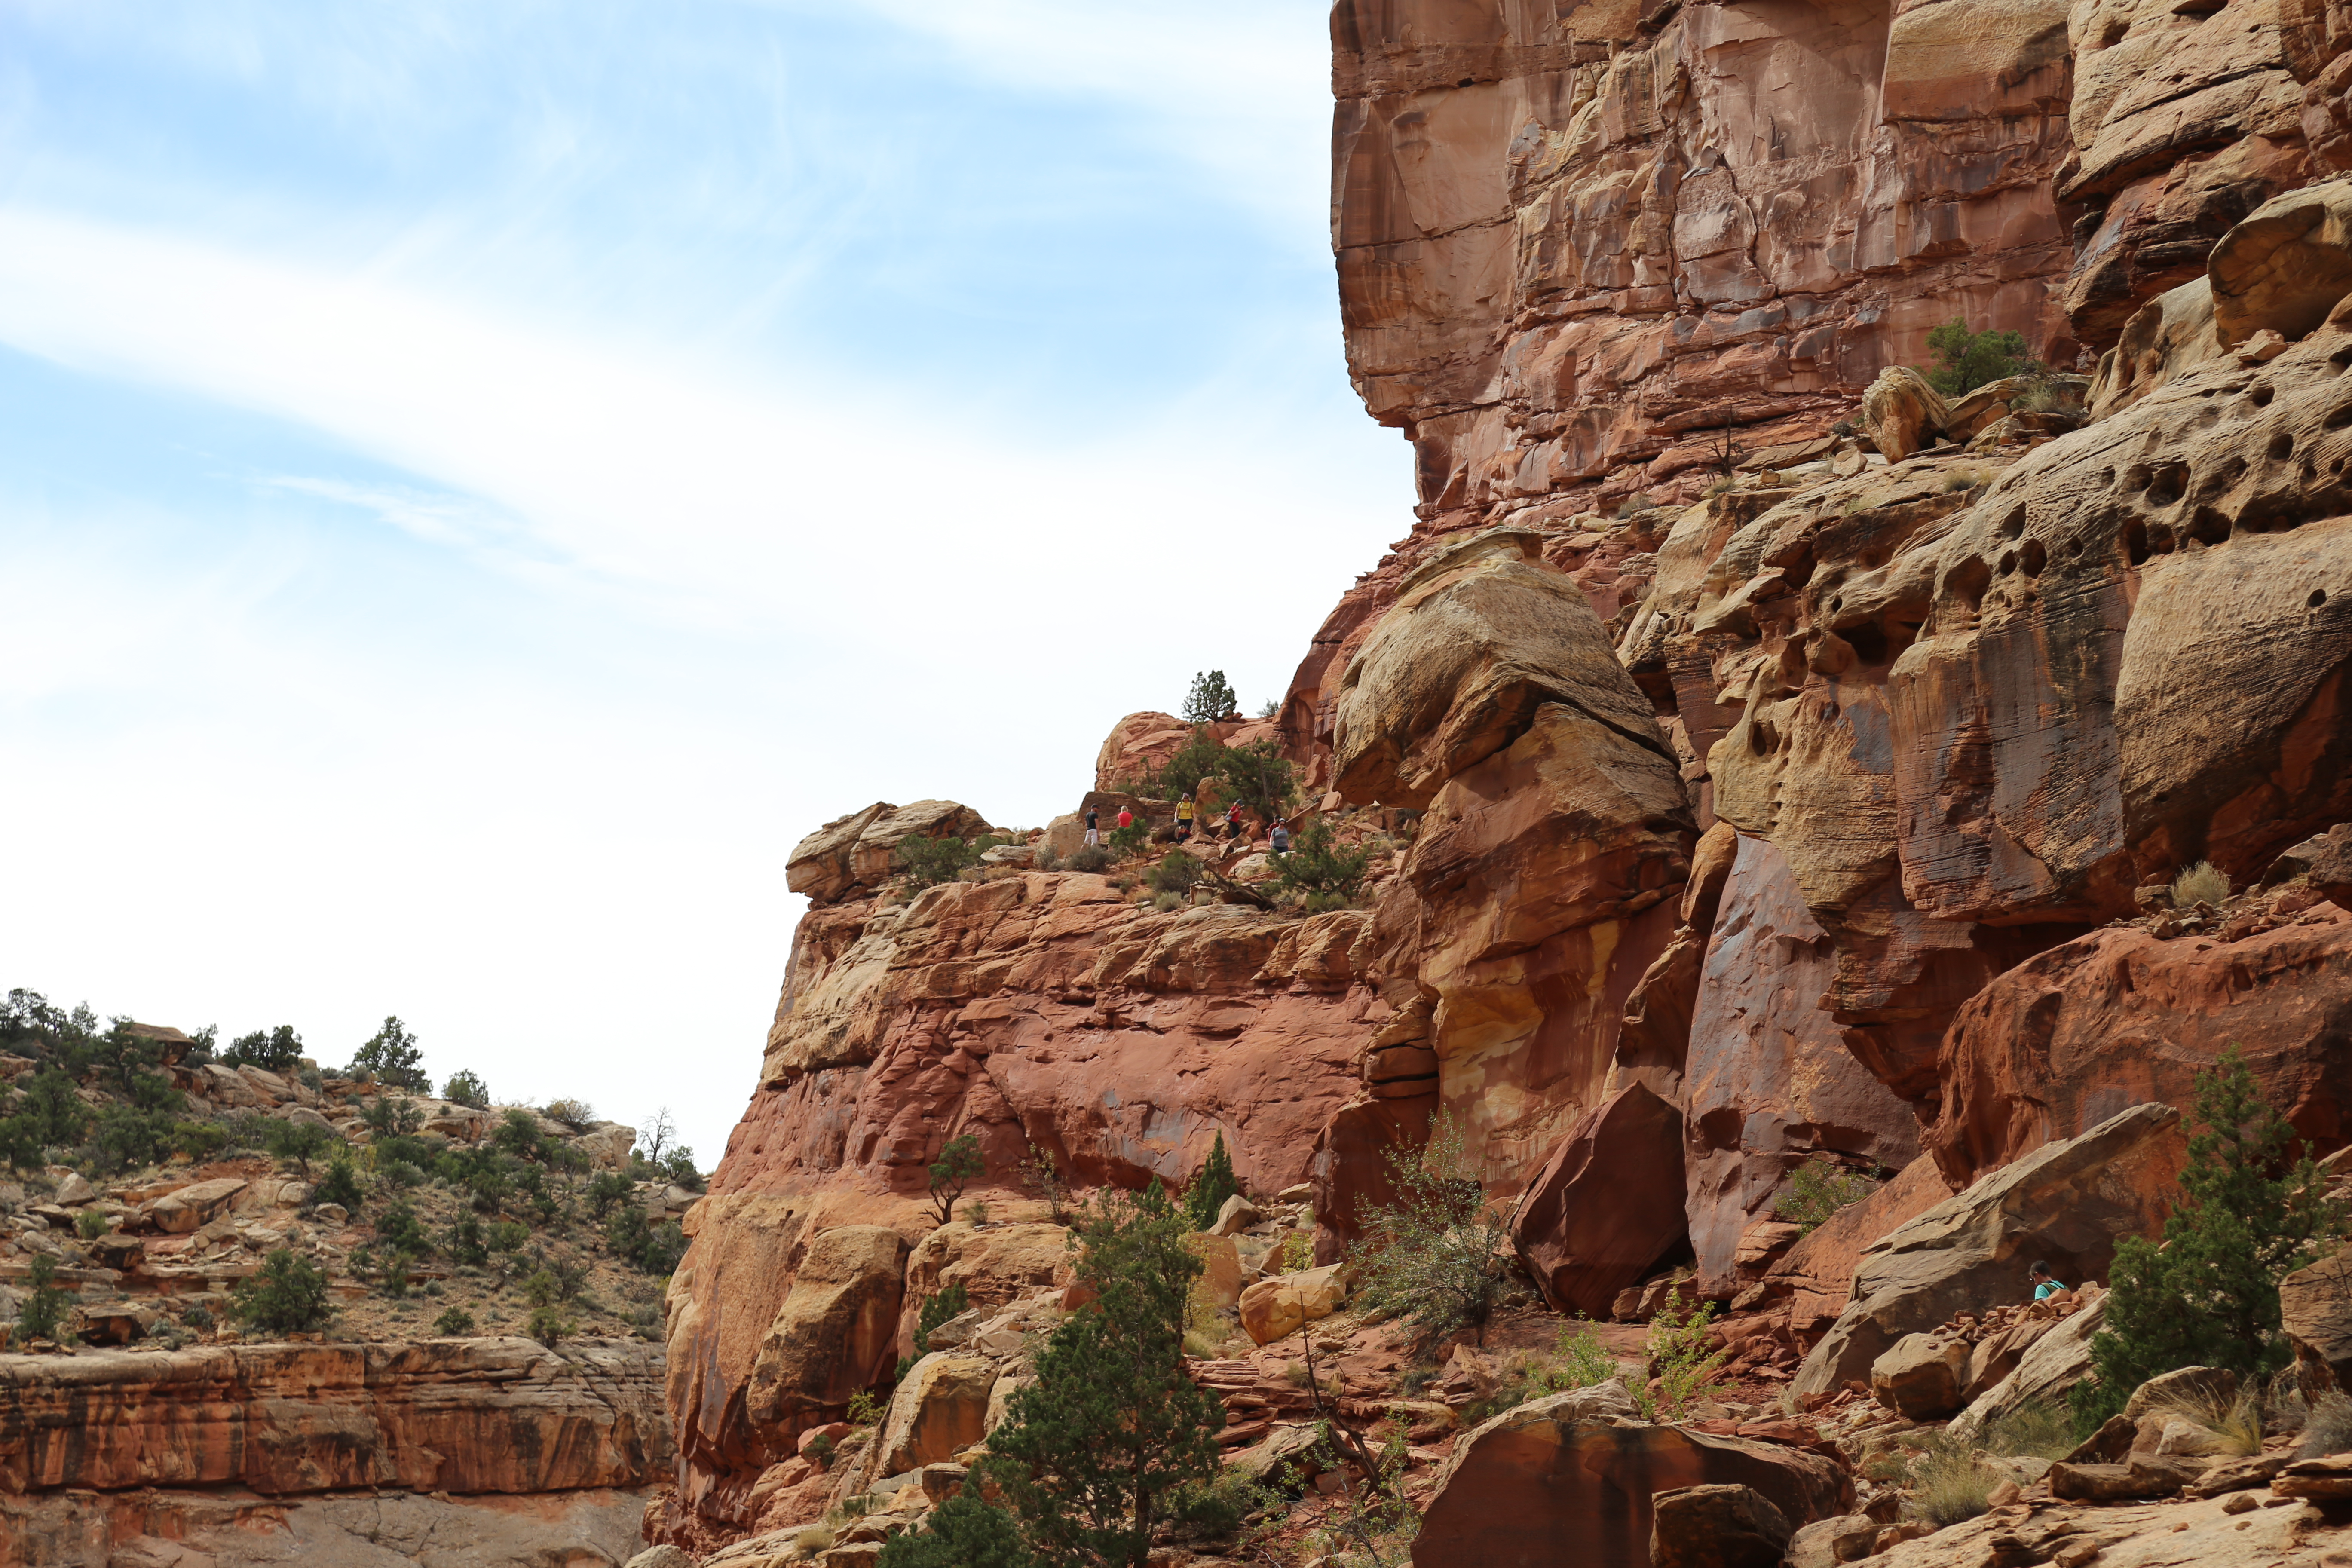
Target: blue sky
(478,481)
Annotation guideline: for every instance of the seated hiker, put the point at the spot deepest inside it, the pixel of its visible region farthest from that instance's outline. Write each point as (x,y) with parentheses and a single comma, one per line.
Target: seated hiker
(2044,1283)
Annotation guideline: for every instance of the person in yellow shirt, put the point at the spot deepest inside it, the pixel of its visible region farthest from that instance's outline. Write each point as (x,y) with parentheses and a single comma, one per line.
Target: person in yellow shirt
(1185,818)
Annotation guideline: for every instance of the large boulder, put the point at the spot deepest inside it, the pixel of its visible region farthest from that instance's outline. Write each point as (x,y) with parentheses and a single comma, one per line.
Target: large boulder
(835,1333)
(2284,266)
(2065,1203)
(1902,412)
(1278,1308)
(1478,639)
(2315,1311)
(1138,744)
(1606,1206)
(852,854)
(1717,1526)
(1922,1377)
(1560,1470)
(190,1208)
(940,1408)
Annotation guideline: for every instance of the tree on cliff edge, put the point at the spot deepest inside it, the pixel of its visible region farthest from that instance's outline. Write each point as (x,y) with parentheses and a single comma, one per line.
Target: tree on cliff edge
(1210,698)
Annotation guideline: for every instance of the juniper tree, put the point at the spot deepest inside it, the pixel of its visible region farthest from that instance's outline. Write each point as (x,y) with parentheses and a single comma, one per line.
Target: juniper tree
(2248,1216)
(957,1163)
(1210,700)
(1207,1194)
(1090,1454)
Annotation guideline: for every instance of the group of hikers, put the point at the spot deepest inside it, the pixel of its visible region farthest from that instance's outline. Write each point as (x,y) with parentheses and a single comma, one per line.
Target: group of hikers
(1279,836)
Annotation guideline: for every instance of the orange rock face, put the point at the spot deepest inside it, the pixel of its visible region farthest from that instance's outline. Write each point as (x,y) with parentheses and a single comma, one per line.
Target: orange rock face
(453,1415)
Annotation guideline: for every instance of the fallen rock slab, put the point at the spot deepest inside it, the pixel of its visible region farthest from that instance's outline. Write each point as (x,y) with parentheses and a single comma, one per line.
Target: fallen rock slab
(1716,1526)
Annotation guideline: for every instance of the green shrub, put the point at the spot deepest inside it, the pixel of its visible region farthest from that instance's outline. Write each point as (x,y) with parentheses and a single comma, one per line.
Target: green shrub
(576,1114)
(391,1056)
(508,1235)
(21,1144)
(1205,1198)
(398,1174)
(965,1532)
(518,1134)
(1176,873)
(199,1141)
(1817,1189)
(288,1295)
(1130,839)
(1317,864)
(1438,1257)
(454,1322)
(89,1225)
(548,1325)
(340,1186)
(926,861)
(2327,1429)
(127,1137)
(1681,1363)
(299,1142)
(648,1248)
(2199,884)
(1259,777)
(1210,698)
(1965,359)
(2033,1431)
(278,1050)
(1181,774)
(399,1228)
(1089,857)
(464,1242)
(1949,1484)
(606,1188)
(2209,1297)
(56,1112)
(465,1087)
(43,1309)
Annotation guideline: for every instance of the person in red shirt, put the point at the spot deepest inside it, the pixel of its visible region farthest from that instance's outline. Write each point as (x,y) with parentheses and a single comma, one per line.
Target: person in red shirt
(1126,817)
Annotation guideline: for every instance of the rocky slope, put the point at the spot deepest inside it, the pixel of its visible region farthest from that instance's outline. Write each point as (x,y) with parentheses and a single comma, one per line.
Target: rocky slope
(1768,761)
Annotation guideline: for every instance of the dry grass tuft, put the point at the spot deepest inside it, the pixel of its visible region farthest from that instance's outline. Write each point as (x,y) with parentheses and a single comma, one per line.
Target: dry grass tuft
(2199,884)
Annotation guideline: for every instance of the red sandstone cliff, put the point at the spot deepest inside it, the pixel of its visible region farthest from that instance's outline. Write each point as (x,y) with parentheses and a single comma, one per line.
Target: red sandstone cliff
(1818,815)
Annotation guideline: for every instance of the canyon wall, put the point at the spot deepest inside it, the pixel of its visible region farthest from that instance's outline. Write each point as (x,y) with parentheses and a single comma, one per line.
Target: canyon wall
(1765,763)
(237,1453)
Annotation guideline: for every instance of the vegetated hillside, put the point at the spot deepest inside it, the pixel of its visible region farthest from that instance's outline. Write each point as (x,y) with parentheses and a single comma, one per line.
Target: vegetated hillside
(1852,735)
(179,1193)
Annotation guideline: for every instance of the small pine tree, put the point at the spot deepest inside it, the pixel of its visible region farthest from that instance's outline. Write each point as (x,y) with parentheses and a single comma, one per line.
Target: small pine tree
(289,1296)
(1211,1187)
(962,1532)
(43,1307)
(340,1184)
(466,1088)
(391,1055)
(1090,1454)
(2209,1297)
(957,1163)
(1259,777)
(1210,698)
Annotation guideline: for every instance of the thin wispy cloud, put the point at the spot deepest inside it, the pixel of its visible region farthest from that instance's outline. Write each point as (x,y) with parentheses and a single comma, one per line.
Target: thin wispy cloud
(492,476)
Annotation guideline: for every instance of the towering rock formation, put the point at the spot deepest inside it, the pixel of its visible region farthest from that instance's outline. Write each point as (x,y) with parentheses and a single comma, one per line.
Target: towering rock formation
(1814,802)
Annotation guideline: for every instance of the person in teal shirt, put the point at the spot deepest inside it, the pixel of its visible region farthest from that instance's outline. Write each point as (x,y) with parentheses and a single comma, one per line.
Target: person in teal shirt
(2044,1284)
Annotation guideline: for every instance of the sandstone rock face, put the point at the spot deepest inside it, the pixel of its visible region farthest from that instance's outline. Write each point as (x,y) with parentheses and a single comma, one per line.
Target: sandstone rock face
(2315,1311)
(2066,1205)
(1717,1527)
(940,1409)
(853,853)
(1544,1473)
(453,1415)
(1607,1206)
(835,1333)
(1572,251)
(2065,1039)
(1768,1080)
(1276,1308)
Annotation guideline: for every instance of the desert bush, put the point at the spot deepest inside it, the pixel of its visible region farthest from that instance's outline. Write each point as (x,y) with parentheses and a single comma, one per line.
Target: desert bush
(1259,777)
(393,1116)
(464,1241)
(1317,864)
(1965,359)
(278,1050)
(1041,1178)
(44,1308)
(2035,1431)
(2327,1429)
(398,1228)
(2208,1295)
(1089,857)
(576,1114)
(1438,1257)
(648,1248)
(1182,774)
(1176,873)
(1949,1484)
(1130,839)
(288,1295)
(1045,859)
(340,1184)
(465,1087)
(1681,1363)
(2199,884)
(606,1188)
(926,861)
(89,1225)
(1817,1189)
(548,1325)
(1167,903)
(299,1142)
(2235,1423)
(454,1322)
